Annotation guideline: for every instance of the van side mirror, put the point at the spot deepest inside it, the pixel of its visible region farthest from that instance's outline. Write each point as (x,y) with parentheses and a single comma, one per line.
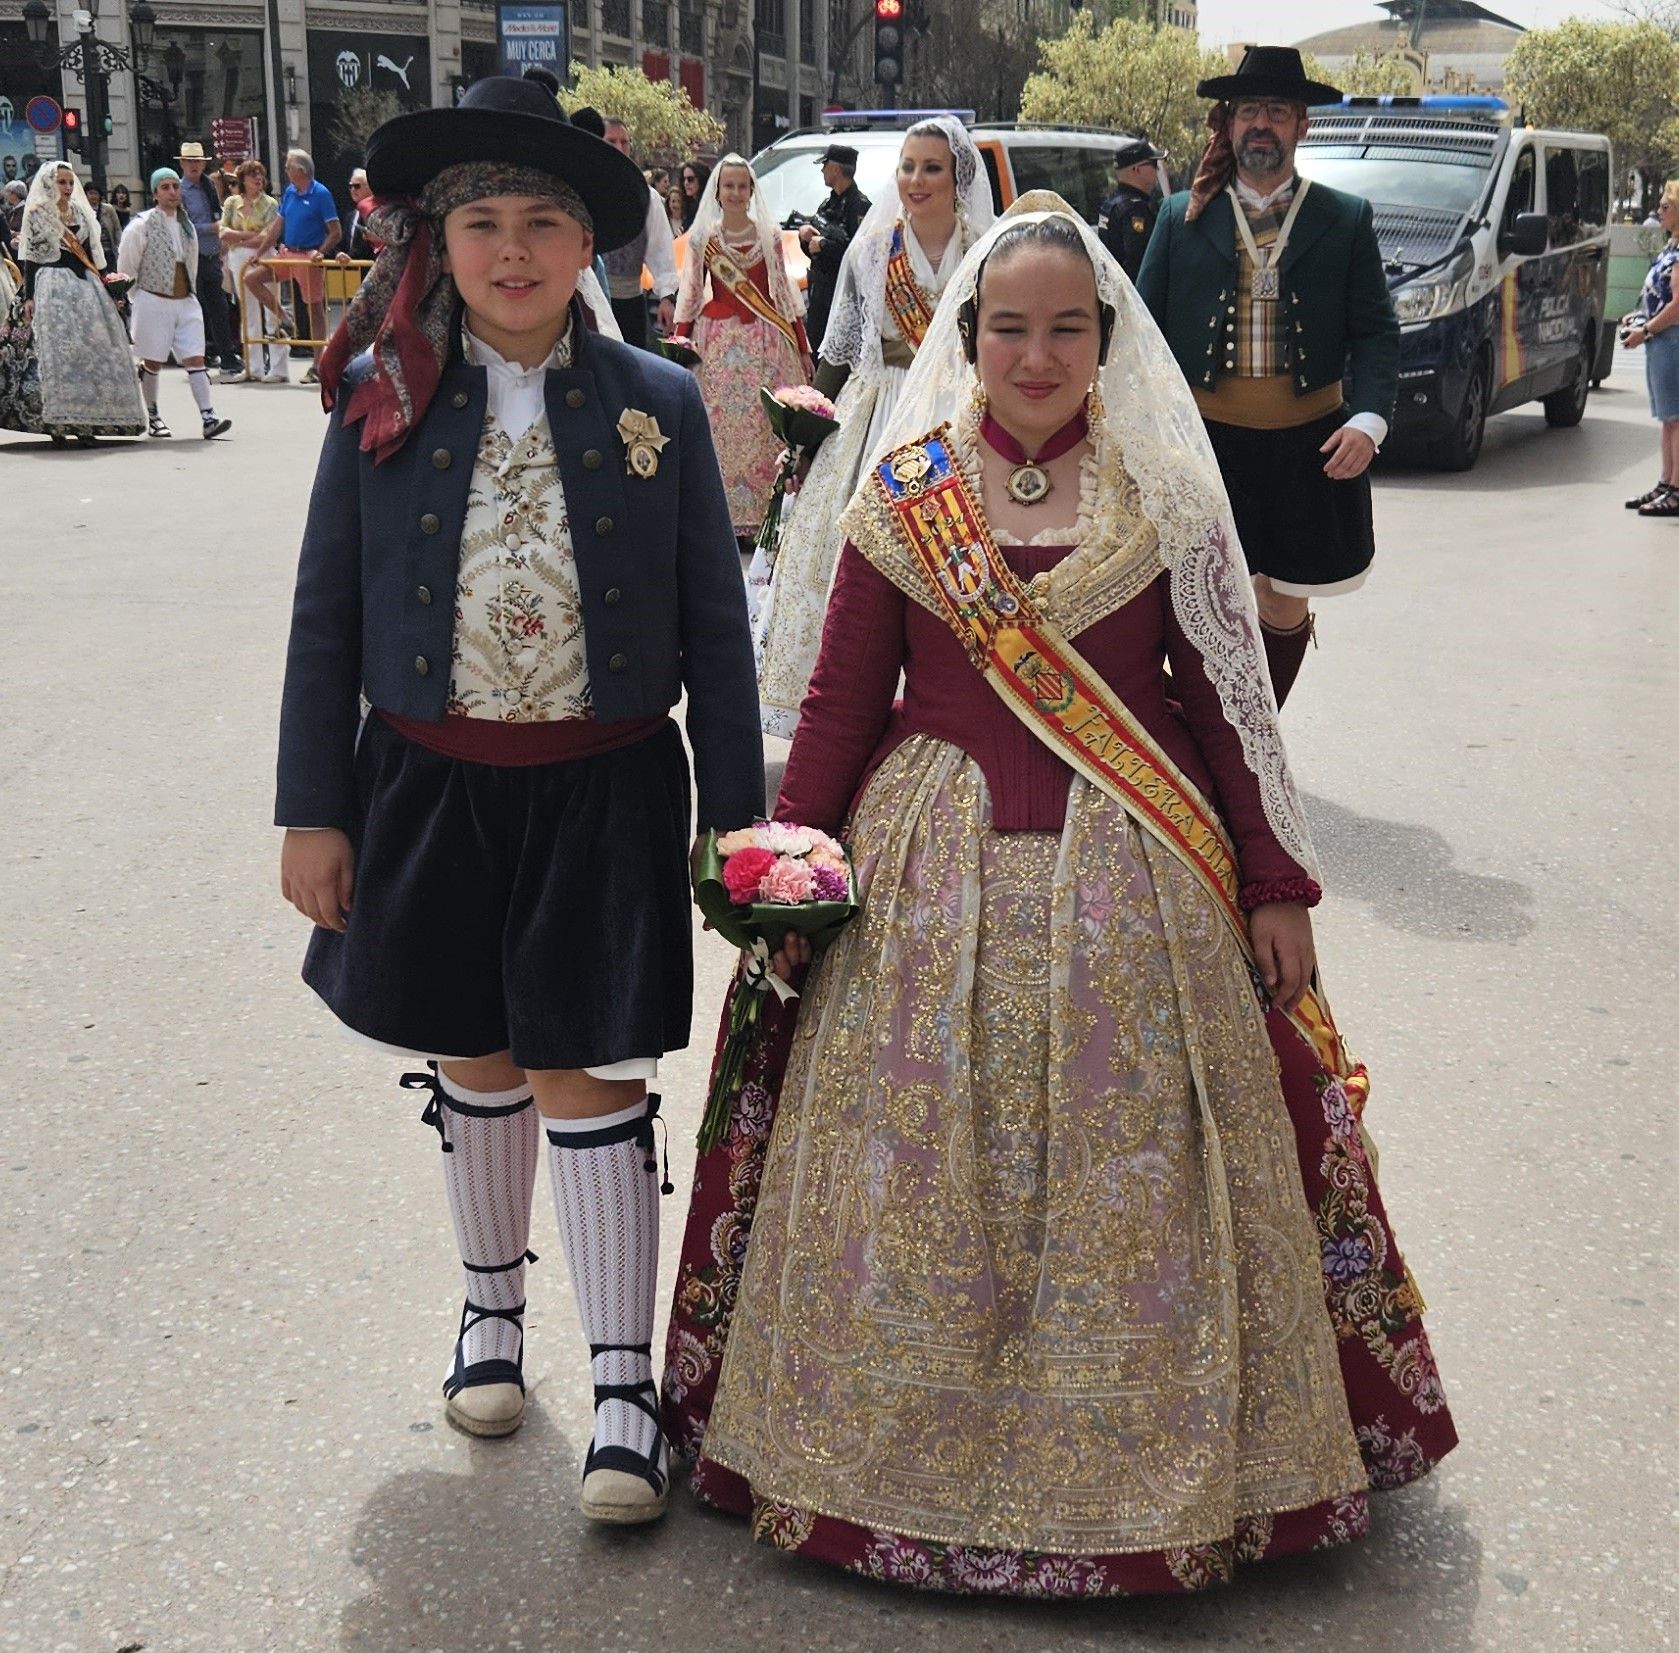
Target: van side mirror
(1527,237)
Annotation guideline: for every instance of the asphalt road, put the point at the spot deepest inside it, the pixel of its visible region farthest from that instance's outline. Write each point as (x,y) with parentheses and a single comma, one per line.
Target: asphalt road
(228,1290)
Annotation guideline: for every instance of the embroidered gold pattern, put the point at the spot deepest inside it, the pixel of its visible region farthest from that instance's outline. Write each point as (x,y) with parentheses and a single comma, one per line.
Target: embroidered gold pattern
(518,653)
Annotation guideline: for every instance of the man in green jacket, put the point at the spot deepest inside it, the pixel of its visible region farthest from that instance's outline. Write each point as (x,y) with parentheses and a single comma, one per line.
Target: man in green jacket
(1270,291)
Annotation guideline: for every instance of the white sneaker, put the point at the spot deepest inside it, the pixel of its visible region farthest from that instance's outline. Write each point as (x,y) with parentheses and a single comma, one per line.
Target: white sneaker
(232,376)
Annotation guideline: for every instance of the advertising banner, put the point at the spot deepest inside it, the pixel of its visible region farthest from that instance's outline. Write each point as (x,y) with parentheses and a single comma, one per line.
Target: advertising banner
(534,36)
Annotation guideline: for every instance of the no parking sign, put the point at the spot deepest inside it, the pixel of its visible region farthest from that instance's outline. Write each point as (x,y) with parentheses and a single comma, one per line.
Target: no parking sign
(43,114)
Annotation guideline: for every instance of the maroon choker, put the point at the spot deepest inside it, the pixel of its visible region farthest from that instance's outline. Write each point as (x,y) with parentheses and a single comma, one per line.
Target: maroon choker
(1029,482)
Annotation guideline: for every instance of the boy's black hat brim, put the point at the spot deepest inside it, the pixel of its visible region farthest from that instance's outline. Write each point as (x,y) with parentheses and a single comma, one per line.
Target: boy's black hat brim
(511,129)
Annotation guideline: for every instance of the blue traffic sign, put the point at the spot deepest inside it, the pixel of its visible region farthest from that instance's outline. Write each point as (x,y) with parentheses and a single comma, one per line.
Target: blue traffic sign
(43,114)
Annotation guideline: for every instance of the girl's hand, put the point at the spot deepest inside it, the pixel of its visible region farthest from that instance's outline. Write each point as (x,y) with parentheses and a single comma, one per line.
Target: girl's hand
(794,954)
(1282,947)
(807,366)
(29,309)
(317,875)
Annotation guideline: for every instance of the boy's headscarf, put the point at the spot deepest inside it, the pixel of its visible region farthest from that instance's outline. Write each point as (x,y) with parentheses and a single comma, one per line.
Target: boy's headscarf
(405,308)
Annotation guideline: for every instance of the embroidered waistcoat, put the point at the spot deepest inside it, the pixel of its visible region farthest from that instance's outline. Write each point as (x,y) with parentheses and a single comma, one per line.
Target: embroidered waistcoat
(518,647)
(168,243)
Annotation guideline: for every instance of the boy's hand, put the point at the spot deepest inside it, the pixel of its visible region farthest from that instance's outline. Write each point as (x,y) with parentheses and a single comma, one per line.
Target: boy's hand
(317,874)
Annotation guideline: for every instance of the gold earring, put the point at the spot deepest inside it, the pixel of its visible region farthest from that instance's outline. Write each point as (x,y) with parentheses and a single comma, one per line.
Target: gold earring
(978,400)
(1093,408)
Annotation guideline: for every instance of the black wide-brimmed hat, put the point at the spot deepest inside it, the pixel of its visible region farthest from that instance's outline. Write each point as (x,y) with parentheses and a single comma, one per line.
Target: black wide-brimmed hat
(515,123)
(1268,72)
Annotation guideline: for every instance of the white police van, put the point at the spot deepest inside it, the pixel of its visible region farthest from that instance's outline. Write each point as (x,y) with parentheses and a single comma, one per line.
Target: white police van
(1496,242)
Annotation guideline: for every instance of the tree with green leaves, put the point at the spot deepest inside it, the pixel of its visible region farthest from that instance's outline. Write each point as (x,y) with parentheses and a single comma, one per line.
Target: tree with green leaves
(1376,74)
(1620,79)
(663,122)
(1128,75)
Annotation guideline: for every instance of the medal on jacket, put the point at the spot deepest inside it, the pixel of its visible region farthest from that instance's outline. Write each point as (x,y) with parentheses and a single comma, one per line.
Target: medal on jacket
(1266,284)
(643,442)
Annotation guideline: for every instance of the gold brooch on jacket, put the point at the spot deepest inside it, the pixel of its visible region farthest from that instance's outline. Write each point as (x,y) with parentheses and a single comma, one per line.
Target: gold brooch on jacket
(643,442)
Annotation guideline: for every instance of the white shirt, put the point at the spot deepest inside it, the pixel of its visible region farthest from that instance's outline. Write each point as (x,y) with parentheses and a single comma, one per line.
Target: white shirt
(516,392)
(1372,424)
(661,247)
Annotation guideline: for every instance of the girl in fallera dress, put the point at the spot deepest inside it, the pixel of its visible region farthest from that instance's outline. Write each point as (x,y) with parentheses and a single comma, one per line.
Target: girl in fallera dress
(68,371)
(896,268)
(743,317)
(1043,1253)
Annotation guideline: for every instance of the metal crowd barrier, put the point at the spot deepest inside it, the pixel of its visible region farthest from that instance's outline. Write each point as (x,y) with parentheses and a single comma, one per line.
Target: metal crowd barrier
(340,279)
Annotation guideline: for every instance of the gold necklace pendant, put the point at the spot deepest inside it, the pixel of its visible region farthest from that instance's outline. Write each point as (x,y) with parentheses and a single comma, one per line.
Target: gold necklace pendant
(1028,483)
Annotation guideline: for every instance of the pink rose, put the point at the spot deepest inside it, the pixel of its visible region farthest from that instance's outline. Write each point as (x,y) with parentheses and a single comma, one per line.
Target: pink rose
(744,871)
(787,883)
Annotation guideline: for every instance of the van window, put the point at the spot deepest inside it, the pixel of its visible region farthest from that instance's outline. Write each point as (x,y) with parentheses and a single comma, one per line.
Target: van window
(1083,177)
(1562,196)
(1594,190)
(1520,198)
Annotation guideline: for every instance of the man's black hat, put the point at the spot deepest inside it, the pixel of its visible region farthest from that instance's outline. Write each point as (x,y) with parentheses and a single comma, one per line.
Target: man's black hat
(1135,153)
(1269,72)
(516,123)
(841,152)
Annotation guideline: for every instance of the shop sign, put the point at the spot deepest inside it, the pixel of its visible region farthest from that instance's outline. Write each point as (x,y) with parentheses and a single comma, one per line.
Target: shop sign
(535,37)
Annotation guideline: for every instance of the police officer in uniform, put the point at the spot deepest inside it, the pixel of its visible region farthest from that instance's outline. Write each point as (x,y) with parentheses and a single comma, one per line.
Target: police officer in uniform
(1128,214)
(825,240)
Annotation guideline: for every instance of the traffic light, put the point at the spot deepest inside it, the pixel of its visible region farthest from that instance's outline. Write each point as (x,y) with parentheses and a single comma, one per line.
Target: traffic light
(73,131)
(888,41)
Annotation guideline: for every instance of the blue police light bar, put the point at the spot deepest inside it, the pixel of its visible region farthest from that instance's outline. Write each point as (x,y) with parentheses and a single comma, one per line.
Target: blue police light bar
(845,117)
(1461,103)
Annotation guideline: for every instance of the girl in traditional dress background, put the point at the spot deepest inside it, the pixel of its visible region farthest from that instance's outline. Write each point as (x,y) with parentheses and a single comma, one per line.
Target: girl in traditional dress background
(743,316)
(1066,1270)
(73,336)
(897,265)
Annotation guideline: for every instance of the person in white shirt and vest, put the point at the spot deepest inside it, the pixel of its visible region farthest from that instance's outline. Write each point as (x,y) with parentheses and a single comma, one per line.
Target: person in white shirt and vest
(653,246)
(1271,292)
(159,254)
(518,557)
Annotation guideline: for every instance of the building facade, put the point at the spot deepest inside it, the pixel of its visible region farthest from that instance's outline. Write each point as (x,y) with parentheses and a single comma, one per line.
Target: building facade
(316,73)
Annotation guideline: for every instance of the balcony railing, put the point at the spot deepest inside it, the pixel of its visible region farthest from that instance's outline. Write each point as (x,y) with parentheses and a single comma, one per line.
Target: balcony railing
(655,22)
(691,33)
(615,17)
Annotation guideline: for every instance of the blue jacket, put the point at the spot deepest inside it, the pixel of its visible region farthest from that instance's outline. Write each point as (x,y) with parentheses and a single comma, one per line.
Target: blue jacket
(664,607)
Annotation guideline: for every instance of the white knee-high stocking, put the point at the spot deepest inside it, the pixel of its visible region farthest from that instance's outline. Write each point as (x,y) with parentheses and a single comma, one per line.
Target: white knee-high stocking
(490,1146)
(606,1196)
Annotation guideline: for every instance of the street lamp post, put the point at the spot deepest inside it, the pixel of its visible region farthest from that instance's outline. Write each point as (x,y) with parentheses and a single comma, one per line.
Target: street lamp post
(93,61)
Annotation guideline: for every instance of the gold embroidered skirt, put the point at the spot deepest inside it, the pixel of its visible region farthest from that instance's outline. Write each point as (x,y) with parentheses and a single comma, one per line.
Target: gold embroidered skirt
(1032,1265)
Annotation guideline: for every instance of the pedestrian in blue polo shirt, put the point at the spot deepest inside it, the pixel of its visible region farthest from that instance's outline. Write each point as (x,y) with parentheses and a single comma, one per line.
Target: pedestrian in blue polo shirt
(307,228)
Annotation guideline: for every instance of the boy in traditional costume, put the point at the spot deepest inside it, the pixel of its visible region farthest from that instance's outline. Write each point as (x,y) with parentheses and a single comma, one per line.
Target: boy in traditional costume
(519,554)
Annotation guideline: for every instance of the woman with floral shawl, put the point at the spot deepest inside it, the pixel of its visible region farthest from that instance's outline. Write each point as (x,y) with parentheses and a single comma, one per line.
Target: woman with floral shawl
(1043,1254)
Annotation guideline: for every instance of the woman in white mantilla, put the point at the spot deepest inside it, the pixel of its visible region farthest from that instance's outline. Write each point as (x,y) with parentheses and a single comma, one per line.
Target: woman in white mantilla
(1065,1272)
(897,266)
(72,334)
(740,313)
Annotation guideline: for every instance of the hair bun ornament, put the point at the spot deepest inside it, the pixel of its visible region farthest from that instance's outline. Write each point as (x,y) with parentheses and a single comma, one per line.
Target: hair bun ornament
(1040,200)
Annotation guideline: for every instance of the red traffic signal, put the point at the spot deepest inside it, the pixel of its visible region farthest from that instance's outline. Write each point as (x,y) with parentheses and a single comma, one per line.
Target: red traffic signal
(72,126)
(888,42)
(888,11)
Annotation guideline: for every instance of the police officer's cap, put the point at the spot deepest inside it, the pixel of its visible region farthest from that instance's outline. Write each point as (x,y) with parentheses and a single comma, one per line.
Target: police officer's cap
(1135,153)
(841,152)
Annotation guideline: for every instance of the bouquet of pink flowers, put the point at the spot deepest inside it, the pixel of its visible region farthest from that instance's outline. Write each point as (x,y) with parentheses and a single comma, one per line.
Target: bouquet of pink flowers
(804,419)
(117,285)
(754,887)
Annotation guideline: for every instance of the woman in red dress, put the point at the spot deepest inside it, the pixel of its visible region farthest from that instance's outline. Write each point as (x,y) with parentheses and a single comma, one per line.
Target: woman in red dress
(742,315)
(1043,1255)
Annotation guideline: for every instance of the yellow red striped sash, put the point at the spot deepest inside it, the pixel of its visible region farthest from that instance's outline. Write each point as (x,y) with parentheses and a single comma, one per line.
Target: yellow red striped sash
(724,269)
(1062,699)
(904,297)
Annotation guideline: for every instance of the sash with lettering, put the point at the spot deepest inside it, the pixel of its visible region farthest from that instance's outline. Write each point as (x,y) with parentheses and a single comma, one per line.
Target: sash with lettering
(904,297)
(1065,703)
(724,269)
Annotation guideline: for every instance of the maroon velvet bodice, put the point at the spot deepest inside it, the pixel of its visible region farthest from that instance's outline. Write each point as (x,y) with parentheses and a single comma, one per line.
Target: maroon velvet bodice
(849,722)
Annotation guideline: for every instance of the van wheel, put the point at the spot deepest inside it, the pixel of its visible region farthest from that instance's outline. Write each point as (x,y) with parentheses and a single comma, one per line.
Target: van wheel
(1564,409)
(1460,450)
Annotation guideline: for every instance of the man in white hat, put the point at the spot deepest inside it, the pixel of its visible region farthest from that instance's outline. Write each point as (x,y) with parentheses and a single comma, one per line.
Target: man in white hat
(201,201)
(159,254)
